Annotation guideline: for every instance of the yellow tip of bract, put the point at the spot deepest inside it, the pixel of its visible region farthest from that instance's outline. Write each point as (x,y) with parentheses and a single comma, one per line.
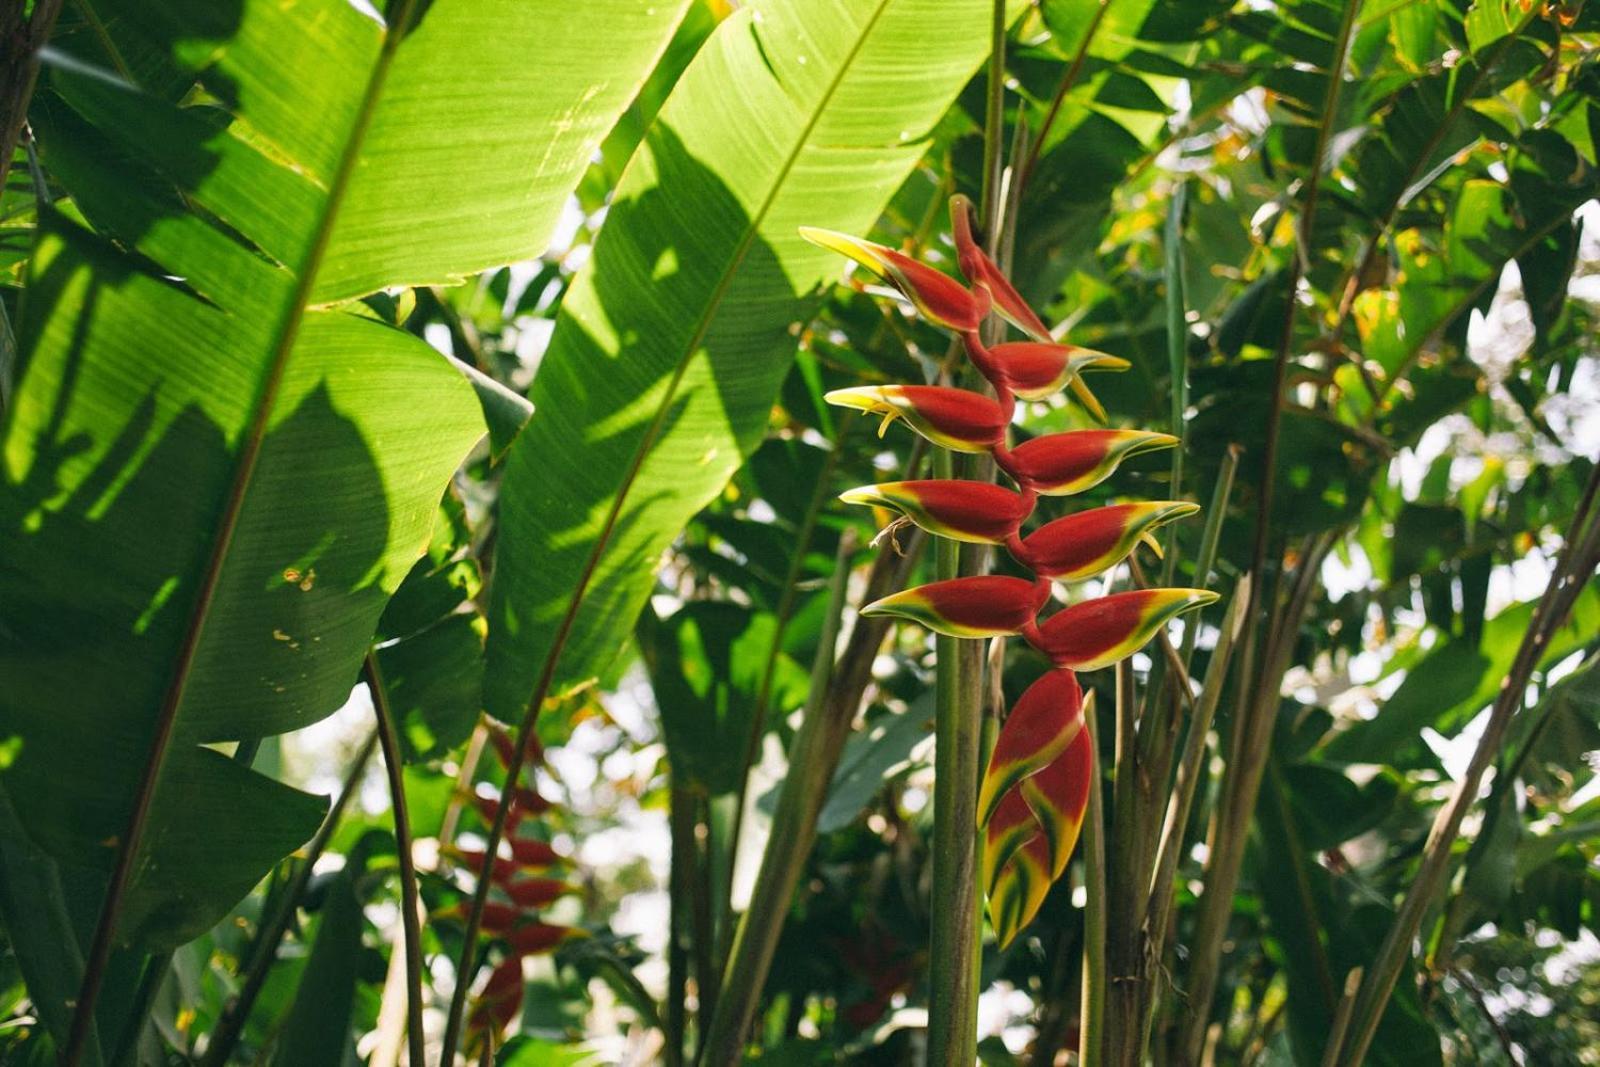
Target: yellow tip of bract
(1090,402)
(867,398)
(868,495)
(862,252)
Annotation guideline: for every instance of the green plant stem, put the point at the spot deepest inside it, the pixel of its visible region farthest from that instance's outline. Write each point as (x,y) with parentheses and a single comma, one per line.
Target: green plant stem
(264,953)
(1177,364)
(1259,692)
(1091,1025)
(812,758)
(1230,823)
(410,899)
(769,671)
(155,973)
(681,820)
(1579,557)
(953,981)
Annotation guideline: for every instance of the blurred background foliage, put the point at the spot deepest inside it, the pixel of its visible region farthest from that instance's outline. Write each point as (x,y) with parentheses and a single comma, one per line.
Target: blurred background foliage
(1441,418)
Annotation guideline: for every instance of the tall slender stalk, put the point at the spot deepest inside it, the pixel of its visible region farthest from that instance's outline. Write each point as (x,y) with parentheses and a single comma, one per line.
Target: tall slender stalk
(1579,557)
(1091,1025)
(1259,691)
(794,825)
(264,952)
(410,899)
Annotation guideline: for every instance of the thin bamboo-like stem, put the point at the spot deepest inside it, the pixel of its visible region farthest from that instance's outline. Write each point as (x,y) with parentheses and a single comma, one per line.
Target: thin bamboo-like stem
(1341,1017)
(952,994)
(1177,362)
(769,671)
(1190,768)
(1091,1025)
(681,882)
(1579,557)
(1231,820)
(410,899)
(1248,753)
(265,950)
(805,788)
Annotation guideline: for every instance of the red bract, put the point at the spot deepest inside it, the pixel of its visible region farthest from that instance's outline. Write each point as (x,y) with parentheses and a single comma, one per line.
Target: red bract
(938,297)
(1061,464)
(1099,632)
(536,892)
(1040,726)
(983,606)
(1035,371)
(1081,546)
(533,939)
(964,511)
(951,418)
(983,272)
(497,1005)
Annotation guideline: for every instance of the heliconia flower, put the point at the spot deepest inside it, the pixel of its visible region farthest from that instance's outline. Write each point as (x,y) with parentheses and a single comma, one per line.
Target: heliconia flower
(1046,718)
(984,606)
(1081,546)
(1099,632)
(498,1003)
(939,298)
(1035,371)
(981,512)
(956,419)
(473,857)
(1061,464)
(532,939)
(984,273)
(537,892)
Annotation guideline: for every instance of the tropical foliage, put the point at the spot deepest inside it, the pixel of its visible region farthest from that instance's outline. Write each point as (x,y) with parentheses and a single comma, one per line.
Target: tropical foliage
(431,630)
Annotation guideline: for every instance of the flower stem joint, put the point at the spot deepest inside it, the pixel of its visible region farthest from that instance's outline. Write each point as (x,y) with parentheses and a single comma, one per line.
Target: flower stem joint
(1035,790)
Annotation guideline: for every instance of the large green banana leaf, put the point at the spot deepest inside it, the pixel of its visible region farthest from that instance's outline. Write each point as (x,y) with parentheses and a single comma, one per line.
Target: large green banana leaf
(213,477)
(673,339)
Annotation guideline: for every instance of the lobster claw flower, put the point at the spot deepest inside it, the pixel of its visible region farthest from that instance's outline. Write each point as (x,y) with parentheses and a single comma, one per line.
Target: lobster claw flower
(984,273)
(956,419)
(984,606)
(497,1004)
(1083,545)
(980,512)
(1045,720)
(1031,835)
(1035,371)
(938,297)
(1097,633)
(1061,464)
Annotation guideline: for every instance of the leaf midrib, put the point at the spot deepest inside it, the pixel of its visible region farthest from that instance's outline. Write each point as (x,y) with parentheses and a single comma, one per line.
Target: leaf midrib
(702,328)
